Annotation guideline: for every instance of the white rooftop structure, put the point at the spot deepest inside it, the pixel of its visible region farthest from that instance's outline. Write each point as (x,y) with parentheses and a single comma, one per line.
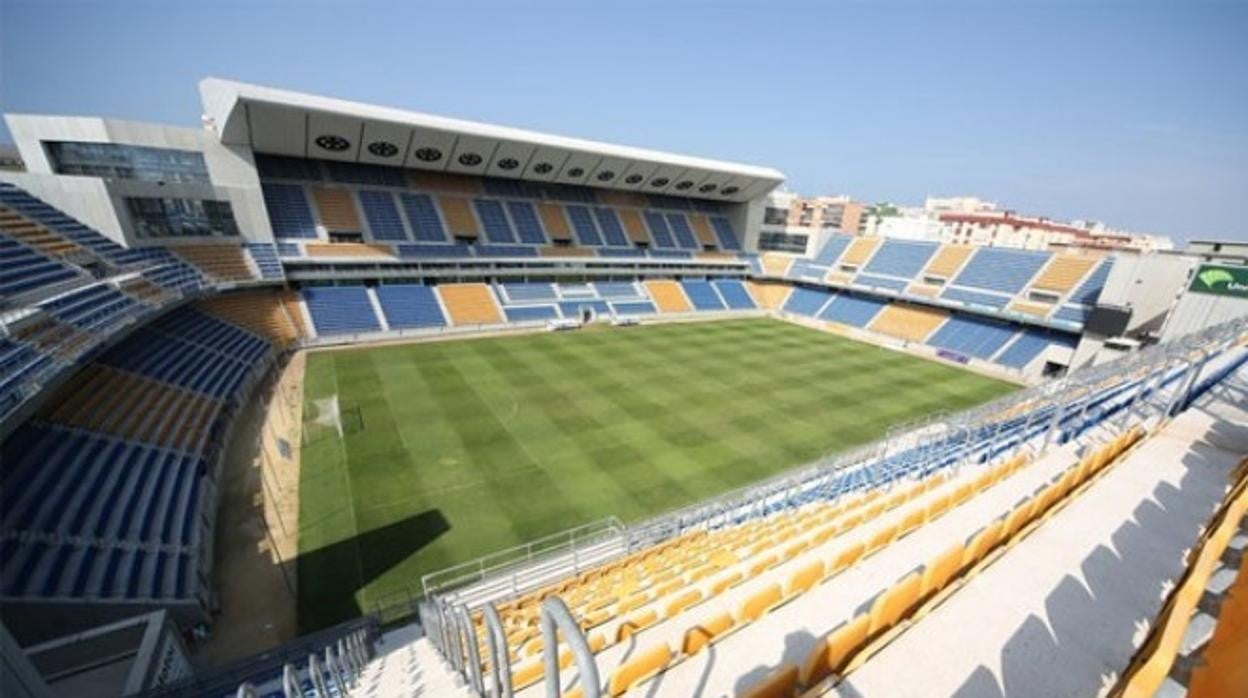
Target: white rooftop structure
(282,122)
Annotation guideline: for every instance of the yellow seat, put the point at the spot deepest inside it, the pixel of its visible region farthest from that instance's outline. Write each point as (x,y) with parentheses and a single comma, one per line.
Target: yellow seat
(780,683)
(835,650)
(794,550)
(846,557)
(726,582)
(804,578)
(1016,519)
(528,673)
(962,493)
(635,623)
(891,606)
(763,565)
(912,521)
(760,603)
(939,506)
(644,666)
(680,603)
(881,538)
(705,633)
(942,568)
(982,543)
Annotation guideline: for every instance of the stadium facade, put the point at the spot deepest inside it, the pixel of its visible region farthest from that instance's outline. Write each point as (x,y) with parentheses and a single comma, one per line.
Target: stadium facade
(155,275)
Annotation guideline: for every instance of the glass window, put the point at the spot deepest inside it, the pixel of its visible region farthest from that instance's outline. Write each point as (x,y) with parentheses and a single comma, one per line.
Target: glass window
(158,217)
(782,242)
(775,216)
(115,161)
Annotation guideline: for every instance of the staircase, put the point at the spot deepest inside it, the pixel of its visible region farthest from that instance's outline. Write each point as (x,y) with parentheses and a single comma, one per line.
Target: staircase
(407,665)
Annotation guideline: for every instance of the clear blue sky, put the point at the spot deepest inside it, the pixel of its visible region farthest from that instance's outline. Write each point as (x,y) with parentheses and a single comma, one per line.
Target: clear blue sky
(1134,113)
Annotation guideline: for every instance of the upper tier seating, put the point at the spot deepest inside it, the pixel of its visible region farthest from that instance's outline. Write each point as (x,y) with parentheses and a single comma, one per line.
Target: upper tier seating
(990,300)
(659,230)
(703,295)
(901,258)
(459,217)
(95,307)
(1090,290)
(735,296)
(583,223)
(410,306)
(340,309)
(384,221)
(857,311)
(266,259)
(728,239)
(860,250)
(336,209)
(948,260)
(494,221)
(832,249)
(517,291)
(34,235)
(223,262)
(424,217)
(289,213)
(1062,273)
(555,220)
(679,226)
(972,336)
(528,227)
(910,322)
(469,304)
(22,269)
(1002,270)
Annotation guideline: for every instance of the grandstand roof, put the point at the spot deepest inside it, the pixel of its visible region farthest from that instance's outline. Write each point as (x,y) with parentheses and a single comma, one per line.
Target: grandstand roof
(302,125)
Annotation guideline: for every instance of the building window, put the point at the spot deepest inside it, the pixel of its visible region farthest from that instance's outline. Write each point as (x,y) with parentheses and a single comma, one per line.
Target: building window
(114,161)
(775,216)
(782,242)
(160,217)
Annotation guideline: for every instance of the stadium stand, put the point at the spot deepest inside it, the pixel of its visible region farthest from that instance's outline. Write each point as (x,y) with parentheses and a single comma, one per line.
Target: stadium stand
(855,311)
(382,215)
(972,336)
(1062,273)
(494,221)
(734,293)
(265,257)
(659,230)
(668,296)
(289,212)
(424,218)
(340,309)
(261,312)
(528,227)
(914,323)
(223,262)
(807,301)
(1031,343)
(410,306)
(860,250)
(1000,270)
(948,261)
(702,295)
(27,270)
(336,209)
(901,258)
(459,217)
(469,304)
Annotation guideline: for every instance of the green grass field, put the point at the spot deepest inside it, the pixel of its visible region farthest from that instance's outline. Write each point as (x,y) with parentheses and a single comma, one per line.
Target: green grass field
(457,449)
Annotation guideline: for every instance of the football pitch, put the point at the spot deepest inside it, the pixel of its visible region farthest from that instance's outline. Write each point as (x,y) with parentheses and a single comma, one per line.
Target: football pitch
(420,456)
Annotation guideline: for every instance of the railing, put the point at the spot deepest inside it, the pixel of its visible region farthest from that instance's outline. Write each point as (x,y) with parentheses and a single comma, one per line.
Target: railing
(1033,419)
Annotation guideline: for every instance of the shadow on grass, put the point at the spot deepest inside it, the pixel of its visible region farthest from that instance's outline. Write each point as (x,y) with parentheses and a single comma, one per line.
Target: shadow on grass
(331,577)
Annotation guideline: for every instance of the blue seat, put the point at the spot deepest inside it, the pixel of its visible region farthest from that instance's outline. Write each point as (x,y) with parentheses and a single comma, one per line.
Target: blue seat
(494,221)
(679,226)
(1001,270)
(572,309)
(529,291)
(989,300)
(382,215)
(803,268)
(528,227)
(1030,343)
(972,336)
(659,232)
(1090,290)
(634,308)
(702,294)
(612,231)
(410,306)
(265,256)
(340,309)
(884,282)
(616,289)
(734,294)
(424,218)
(807,301)
(530,313)
(901,258)
(857,311)
(832,249)
(289,213)
(727,237)
(583,223)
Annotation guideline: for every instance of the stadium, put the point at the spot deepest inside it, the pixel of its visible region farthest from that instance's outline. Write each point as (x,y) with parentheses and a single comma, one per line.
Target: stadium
(335,399)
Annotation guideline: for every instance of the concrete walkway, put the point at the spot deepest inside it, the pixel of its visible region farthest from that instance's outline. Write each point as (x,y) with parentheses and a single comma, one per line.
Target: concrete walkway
(1062,613)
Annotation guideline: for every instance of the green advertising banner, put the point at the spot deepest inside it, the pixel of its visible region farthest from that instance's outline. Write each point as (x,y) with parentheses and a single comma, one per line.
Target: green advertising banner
(1221,281)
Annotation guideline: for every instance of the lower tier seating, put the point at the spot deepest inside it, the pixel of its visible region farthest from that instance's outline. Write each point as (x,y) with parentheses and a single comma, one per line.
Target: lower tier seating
(410,306)
(469,304)
(340,309)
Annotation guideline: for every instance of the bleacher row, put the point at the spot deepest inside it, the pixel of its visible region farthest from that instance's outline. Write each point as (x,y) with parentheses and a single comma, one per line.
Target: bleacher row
(440,215)
(1055,286)
(650,617)
(336,310)
(108,490)
(959,336)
